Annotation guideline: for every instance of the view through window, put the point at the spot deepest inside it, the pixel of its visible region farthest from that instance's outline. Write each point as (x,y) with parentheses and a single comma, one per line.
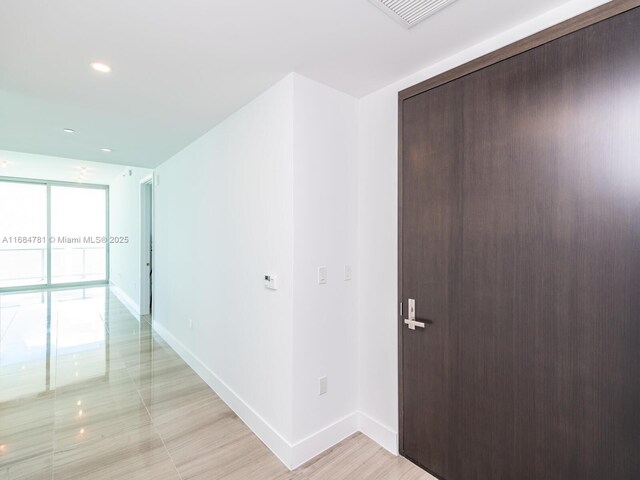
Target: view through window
(52,234)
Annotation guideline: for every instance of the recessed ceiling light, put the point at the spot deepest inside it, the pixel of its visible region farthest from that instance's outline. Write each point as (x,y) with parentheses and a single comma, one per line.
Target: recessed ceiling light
(108,150)
(69,130)
(100,67)
(4,163)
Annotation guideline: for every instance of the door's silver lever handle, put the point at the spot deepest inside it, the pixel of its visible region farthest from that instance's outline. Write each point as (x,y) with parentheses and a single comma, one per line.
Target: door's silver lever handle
(413,324)
(411,321)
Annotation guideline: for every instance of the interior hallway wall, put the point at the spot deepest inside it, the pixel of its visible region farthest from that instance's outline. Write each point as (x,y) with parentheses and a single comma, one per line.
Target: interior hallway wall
(125,221)
(224,219)
(269,191)
(325,230)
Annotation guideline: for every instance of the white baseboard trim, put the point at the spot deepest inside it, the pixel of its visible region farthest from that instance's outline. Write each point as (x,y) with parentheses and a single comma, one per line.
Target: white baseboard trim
(265,432)
(126,300)
(379,433)
(291,455)
(315,444)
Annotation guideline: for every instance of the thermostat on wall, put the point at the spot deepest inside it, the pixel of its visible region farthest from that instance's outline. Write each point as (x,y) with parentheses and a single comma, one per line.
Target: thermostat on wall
(270,281)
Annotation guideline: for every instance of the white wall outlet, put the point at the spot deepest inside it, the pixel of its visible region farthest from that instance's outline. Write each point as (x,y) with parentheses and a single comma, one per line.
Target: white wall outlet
(191,324)
(323,385)
(347,273)
(271,282)
(322,275)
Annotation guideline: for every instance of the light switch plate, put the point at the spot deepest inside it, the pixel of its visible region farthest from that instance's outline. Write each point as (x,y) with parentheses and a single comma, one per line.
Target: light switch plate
(347,273)
(323,385)
(322,275)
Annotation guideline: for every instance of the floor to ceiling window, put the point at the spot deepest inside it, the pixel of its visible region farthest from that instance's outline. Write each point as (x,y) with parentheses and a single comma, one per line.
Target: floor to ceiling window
(79,218)
(23,214)
(52,233)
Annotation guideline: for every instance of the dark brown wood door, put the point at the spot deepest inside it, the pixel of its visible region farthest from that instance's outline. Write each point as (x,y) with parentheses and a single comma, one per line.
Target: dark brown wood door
(431,273)
(520,241)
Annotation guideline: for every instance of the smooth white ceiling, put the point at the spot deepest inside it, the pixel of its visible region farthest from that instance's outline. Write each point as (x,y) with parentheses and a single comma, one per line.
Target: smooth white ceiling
(182,66)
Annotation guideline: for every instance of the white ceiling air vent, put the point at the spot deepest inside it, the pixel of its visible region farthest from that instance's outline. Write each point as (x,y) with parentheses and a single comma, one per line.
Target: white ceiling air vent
(410,12)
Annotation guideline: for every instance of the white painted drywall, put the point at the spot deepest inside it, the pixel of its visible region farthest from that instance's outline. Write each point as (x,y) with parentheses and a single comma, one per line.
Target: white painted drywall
(124,218)
(377,221)
(272,190)
(224,219)
(325,229)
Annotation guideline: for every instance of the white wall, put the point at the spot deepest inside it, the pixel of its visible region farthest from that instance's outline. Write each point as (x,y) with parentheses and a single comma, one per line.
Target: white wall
(124,218)
(377,218)
(325,229)
(224,218)
(272,190)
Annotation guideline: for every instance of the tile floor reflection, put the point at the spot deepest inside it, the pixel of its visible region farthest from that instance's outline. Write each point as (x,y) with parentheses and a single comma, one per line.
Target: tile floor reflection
(88,391)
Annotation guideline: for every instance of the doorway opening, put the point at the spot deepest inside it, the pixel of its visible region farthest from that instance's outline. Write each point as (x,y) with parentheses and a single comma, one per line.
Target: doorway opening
(146,246)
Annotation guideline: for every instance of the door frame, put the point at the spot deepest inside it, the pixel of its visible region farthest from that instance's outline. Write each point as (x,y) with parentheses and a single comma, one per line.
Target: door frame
(146,236)
(591,17)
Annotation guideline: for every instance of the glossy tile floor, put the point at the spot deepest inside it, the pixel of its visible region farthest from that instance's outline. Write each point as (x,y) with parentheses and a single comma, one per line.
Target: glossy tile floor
(88,392)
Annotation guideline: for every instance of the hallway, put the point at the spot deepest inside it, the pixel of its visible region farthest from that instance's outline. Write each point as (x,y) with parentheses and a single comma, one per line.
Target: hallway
(87,391)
